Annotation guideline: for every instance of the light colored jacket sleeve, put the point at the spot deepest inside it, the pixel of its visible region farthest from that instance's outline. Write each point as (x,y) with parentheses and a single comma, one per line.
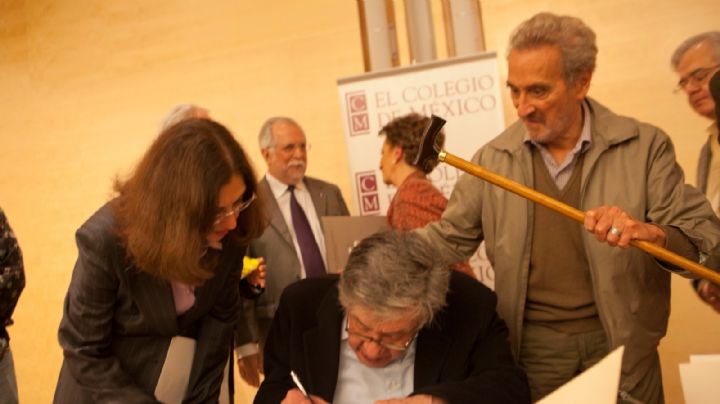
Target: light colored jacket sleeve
(672,202)
(458,233)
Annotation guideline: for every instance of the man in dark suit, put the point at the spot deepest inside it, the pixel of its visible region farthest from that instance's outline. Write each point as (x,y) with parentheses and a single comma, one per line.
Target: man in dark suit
(291,252)
(395,325)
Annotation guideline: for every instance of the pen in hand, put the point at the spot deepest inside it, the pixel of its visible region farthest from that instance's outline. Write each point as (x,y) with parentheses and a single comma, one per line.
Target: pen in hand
(299,385)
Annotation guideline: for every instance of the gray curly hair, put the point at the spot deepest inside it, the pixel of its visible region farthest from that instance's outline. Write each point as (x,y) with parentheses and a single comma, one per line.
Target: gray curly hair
(575,39)
(713,38)
(266,140)
(393,273)
(183,112)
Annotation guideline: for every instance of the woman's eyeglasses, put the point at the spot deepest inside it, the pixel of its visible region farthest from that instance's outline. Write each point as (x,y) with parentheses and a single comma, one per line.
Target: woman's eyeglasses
(235,209)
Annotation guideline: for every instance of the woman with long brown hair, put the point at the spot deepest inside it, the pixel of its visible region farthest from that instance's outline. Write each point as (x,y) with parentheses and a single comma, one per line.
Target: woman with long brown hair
(159,262)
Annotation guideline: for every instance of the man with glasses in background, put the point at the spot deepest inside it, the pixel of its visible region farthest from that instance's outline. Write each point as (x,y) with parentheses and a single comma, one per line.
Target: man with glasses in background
(293,246)
(395,326)
(695,61)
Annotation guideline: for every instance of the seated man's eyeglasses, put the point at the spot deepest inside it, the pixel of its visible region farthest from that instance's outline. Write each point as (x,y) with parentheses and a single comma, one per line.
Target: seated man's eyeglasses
(398,344)
(697,76)
(235,209)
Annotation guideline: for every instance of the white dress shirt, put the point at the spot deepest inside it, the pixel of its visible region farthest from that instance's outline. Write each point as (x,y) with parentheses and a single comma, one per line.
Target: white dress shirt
(282,196)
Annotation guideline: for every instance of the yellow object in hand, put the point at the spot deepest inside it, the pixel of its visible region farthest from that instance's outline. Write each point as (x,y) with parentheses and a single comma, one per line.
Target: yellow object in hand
(249,265)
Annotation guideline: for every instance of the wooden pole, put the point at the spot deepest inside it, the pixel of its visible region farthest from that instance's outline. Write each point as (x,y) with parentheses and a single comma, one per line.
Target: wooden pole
(575,214)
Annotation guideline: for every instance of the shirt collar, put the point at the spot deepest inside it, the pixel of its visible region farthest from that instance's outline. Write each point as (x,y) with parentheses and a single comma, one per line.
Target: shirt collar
(343,331)
(585,133)
(714,139)
(712,130)
(278,188)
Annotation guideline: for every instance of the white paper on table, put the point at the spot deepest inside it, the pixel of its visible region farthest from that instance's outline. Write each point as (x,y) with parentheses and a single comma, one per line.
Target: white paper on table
(705,358)
(597,385)
(175,375)
(700,382)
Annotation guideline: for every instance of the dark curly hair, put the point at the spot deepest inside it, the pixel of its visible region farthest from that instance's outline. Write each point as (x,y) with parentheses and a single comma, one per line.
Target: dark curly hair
(406,131)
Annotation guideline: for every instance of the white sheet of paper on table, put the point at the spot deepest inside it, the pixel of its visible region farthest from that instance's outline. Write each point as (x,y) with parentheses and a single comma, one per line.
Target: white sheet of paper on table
(705,358)
(597,385)
(699,379)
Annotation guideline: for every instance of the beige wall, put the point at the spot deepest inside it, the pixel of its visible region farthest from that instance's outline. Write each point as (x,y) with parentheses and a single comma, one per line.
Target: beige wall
(83,86)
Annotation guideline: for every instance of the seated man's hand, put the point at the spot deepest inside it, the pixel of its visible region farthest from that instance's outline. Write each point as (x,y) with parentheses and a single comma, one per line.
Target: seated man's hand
(710,293)
(615,227)
(418,399)
(295,396)
(250,367)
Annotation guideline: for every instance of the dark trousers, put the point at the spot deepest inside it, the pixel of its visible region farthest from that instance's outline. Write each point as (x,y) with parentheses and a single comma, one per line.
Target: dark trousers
(552,358)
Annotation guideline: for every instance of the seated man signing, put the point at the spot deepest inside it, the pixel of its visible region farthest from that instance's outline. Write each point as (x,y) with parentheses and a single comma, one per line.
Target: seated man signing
(395,327)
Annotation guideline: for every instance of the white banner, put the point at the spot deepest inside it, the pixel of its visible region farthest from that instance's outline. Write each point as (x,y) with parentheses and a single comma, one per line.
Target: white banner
(464,91)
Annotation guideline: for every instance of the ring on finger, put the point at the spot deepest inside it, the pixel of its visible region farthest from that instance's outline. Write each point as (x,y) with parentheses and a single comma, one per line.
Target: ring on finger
(615,231)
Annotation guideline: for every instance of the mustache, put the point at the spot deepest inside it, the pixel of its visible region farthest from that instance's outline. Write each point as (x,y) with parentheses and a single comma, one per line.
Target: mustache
(534,117)
(296,163)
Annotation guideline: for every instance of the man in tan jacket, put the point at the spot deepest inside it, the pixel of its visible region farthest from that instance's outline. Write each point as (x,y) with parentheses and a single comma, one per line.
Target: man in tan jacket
(567,295)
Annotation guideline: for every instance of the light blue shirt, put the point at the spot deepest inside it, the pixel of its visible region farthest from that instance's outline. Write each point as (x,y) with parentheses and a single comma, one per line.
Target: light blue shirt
(359,384)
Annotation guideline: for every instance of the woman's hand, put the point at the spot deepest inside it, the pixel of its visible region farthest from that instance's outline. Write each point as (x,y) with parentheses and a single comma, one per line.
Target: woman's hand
(257,277)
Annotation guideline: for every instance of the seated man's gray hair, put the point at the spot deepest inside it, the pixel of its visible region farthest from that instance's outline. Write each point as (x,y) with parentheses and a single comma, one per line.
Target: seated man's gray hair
(393,273)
